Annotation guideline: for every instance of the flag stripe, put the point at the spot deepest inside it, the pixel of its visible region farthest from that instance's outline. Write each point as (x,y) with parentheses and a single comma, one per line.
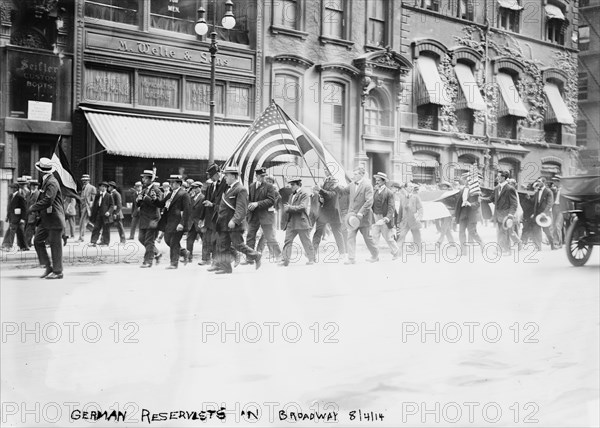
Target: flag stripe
(63,173)
(251,162)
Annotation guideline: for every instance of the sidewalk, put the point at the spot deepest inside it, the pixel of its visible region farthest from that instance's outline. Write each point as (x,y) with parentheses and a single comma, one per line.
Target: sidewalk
(132,252)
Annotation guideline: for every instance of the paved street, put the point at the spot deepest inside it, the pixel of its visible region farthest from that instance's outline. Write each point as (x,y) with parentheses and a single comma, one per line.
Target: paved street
(480,342)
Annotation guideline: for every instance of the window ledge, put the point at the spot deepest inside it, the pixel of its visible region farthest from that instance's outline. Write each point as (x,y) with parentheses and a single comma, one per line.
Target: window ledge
(335,41)
(289,32)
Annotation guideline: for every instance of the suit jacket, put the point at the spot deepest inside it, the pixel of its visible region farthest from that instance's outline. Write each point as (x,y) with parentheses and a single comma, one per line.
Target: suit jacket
(17,202)
(384,201)
(361,201)
(118,205)
(178,211)
(233,206)
(100,208)
(545,204)
(296,214)
(213,194)
(50,205)
(196,210)
(88,195)
(330,208)
(31,199)
(470,214)
(135,209)
(148,210)
(266,196)
(505,201)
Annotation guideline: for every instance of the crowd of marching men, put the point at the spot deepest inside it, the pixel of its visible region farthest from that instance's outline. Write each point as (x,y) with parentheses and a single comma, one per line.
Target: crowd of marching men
(226,217)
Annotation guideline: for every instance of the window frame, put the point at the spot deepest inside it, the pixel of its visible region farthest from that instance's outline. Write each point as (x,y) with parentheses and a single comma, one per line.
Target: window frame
(513,19)
(385,23)
(280,28)
(298,78)
(582,77)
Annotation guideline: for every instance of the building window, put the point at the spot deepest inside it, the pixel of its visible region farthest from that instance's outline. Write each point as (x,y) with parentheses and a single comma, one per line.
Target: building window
(584,38)
(427,116)
(334,19)
(507,127)
(510,165)
(178,16)
(555,32)
(286,93)
(238,100)
(287,14)
(581,133)
(376,113)
(334,117)
(465,9)
(464,120)
(508,19)
(553,133)
(197,97)
(121,11)
(376,24)
(433,5)
(582,86)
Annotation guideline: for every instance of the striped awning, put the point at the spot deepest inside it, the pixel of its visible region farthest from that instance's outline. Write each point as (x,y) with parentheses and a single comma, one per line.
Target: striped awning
(510,4)
(470,95)
(431,89)
(510,103)
(160,137)
(557,111)
(554,12)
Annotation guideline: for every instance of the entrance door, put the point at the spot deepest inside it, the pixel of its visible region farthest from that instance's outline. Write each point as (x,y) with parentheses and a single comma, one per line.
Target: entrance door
(32,147)
(378,162)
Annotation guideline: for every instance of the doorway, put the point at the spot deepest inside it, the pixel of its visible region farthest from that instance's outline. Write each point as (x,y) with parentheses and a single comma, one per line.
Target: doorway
(378,162)
(32,147)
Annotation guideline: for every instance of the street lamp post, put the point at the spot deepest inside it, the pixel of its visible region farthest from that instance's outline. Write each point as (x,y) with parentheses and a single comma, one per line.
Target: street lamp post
(201,29)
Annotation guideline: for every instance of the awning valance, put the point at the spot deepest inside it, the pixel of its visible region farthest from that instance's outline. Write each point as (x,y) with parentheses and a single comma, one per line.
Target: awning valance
(557,111)
(430,86)
(554,12)
(550,167)
(159,137)
(511,103)
(470,96)
(510,4)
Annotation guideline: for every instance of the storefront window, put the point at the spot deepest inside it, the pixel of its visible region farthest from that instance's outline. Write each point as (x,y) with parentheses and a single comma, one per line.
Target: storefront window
(198,97)
(179,16)
(107,86)
(238,101)
(158,92)
(121,11)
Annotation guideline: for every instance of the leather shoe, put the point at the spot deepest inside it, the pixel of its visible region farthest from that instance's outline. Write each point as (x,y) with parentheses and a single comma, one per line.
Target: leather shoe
(350,262)
(146,266)
(171,267)
(310,262)
(55,276)
(47,272)
(258,261)
(373,259)
(284,263)
(222,272)
(213,269)
(202,263)
(237,259)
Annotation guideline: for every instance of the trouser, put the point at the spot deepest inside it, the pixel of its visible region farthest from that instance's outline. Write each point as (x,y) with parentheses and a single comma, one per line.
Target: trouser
(119,224)
(336,229)
(101,224)
(83,221)
(536,236)
(147,238)
(173,240)
(191,240)
(268,237)
(471,227)
(290,235)
(403,231)
(52,237)
(444,226)
(209,244)
(228,244)
(9,237)
(557,225)
(378,230)
(134,224)
(29,233)
(502,237)
(366,233)
(70,222)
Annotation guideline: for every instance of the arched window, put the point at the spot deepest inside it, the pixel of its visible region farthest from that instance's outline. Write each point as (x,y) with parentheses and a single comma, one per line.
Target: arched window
(376,111)
(334,116)
(286,93)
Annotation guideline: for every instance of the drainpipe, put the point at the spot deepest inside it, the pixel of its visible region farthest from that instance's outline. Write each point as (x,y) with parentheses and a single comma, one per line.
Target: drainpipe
(485,73)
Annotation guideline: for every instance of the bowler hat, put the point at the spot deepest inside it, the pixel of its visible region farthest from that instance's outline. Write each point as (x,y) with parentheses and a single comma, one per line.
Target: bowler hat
(112,184)
(260,171)
(104,183)
(45,165)
(231,170)
(381,175)
(352,221)
(396,185)
(213,169)
(176,177)
(508,222)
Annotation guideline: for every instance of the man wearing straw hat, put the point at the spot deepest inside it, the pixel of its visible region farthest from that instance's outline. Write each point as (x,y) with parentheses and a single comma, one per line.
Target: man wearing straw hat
(542,214)
(51,221)
(383,211)
(149,214)
(505,204)
(88,194)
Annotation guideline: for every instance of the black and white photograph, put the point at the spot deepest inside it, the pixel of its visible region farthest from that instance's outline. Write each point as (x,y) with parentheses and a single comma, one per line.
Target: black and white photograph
(300,213)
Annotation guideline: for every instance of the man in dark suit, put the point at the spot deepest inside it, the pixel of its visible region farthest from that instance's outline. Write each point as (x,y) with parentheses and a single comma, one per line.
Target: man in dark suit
(195,224)
(117,210)
(261,213)
(211,205)
(360,201)
(102,215)
(543,203)
(296,222)
(147,202)
(16,215)
(175,218)
(31,216)
(51,221)
(329,214)
(467,215)
(505,204)
(135,210)
(231,216)
(383,212)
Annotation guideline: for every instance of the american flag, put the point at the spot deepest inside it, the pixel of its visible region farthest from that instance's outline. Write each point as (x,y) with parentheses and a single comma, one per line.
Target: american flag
(268,138)
(474,177)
